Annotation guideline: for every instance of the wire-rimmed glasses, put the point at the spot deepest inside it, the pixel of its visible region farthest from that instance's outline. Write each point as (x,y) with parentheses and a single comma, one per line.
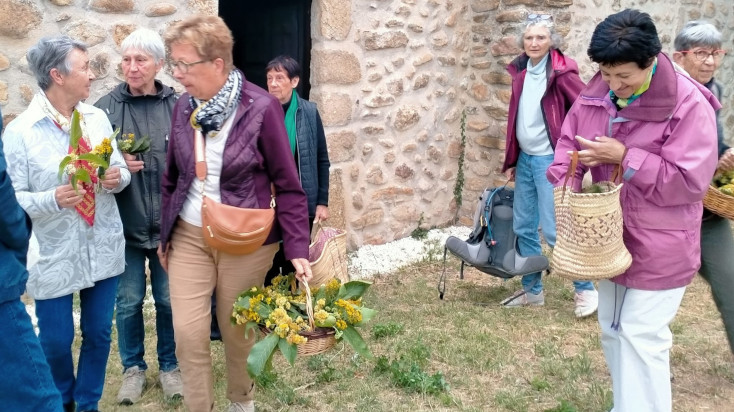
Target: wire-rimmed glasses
(182,66)
(703,55)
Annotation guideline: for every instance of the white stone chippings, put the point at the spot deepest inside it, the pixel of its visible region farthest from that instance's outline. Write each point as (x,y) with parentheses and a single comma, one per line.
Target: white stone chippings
(370,260)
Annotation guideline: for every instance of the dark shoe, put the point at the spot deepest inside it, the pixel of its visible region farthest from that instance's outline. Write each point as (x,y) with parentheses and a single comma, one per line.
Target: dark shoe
(69,407)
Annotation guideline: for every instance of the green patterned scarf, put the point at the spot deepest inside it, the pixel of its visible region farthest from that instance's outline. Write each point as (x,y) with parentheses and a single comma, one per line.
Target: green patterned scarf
(290,121)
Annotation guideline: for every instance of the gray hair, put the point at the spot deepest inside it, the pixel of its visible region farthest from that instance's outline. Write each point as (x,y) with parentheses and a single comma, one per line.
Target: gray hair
(147,41)
(697,33)
(52,53)
(556,39)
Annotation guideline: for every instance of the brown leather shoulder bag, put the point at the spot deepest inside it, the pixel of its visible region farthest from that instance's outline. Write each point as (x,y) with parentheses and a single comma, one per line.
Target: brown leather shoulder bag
(231,229)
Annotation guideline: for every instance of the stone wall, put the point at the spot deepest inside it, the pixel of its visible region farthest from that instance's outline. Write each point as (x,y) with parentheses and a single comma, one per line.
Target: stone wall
(391,78)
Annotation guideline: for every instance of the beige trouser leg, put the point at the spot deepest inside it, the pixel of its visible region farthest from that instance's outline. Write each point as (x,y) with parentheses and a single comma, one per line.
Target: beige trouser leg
(195,271)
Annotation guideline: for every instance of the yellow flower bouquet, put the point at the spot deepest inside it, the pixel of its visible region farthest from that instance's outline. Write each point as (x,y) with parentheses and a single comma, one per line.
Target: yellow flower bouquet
(282,313)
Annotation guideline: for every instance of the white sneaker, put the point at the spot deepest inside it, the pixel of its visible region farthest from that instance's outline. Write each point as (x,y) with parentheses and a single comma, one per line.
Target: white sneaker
(522,298)
(171,384)
(242,407)
(587,301)
(133,383)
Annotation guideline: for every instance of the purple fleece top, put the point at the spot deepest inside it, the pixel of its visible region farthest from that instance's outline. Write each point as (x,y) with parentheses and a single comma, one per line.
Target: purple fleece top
(256,153)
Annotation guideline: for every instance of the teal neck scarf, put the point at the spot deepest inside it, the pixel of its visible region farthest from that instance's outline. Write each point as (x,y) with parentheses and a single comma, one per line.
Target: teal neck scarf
(290,121)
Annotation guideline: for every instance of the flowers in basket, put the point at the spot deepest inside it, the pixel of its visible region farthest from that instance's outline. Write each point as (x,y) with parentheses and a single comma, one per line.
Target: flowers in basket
(80,163)
(129,144)
(282,313)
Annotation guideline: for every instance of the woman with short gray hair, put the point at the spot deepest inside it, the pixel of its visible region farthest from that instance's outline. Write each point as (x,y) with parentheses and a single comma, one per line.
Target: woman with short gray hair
(142,106)
(79,231)
(545,83)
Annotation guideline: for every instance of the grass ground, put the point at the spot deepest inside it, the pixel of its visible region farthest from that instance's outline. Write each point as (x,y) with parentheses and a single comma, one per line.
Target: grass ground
(466,353)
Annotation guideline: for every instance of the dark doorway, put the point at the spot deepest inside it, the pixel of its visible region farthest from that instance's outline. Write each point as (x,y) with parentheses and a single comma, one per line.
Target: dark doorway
(263,29)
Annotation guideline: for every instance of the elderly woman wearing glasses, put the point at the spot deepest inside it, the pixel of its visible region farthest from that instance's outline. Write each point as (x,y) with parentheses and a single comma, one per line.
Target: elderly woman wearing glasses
(698,51)
(240,128)
(659,126)
(545,83)
(79,232)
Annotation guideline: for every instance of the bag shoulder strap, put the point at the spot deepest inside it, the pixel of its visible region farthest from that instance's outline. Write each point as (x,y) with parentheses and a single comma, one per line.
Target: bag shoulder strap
(201,169)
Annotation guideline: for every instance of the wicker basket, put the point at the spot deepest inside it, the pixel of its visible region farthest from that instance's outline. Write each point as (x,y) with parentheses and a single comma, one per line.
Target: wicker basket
(589,227)
(328,254)
(719,203)
(319,340)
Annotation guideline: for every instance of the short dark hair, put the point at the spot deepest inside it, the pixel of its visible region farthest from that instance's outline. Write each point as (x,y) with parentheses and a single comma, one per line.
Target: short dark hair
(287,63)
(629,36)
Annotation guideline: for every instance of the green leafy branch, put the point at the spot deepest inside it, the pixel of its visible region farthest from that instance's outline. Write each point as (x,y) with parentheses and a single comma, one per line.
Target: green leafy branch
(459,185)
(72,164)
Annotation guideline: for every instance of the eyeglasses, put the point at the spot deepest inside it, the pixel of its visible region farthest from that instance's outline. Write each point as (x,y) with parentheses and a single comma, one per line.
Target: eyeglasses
(183,67)
(703,55)
(538,17)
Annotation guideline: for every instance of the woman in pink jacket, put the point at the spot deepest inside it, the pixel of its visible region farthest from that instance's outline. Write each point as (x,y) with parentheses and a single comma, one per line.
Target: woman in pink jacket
(658,124)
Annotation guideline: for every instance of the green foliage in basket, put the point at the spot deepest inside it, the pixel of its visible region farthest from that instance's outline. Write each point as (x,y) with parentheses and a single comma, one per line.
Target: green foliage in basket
(281,309)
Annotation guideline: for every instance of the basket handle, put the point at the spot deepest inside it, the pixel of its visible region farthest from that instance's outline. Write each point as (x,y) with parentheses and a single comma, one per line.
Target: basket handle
(571,171)
(617,174)
(309,304)
(315,230)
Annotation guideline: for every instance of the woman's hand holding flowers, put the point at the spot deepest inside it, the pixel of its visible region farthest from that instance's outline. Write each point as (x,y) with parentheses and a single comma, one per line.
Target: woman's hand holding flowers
(133,164)
(66,197)
(111,178)
(601,150)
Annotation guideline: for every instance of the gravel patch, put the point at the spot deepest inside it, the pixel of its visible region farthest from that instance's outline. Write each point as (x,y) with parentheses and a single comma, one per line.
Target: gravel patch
(370,260)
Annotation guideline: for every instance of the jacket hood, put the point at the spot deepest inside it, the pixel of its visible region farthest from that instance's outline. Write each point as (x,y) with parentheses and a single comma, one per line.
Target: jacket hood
(121,92)
(558,61)
(659,101)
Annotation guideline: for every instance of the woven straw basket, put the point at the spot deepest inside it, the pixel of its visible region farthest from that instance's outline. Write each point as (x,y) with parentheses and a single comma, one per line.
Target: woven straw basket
(319,340)
(719,203)
(328,254)
(589,244)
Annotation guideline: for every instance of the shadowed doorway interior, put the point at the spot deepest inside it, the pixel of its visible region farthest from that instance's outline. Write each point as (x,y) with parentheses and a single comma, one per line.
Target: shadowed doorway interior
(263,29)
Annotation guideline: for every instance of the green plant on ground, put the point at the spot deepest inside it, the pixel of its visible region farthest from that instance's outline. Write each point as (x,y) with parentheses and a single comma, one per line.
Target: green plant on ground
(419,233)
(408,374)
(382,330)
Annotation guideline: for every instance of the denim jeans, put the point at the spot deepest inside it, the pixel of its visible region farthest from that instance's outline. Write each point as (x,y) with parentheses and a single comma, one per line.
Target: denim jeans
(129,318)
(25,378)
(56,325)
(534,206)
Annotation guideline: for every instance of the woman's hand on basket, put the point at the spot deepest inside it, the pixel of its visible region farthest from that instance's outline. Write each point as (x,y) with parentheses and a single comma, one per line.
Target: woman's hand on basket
(601,150)
(303,269)
(322,213)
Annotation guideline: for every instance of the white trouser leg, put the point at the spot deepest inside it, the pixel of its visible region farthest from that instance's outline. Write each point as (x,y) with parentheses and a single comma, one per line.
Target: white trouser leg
(638,350)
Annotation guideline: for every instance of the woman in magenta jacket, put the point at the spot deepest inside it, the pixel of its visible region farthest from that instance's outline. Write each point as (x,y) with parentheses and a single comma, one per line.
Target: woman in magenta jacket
(545,83)
(638,111)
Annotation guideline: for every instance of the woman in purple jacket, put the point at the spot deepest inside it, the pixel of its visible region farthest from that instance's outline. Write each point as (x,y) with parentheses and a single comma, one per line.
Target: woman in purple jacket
(247,149)
(638,111)
(545,83)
